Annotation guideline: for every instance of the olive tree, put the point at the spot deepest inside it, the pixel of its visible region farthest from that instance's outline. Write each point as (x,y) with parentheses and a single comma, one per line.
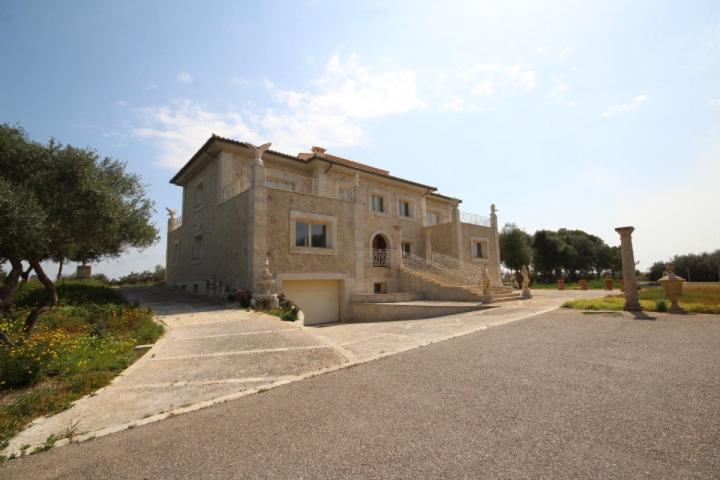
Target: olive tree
(64,203)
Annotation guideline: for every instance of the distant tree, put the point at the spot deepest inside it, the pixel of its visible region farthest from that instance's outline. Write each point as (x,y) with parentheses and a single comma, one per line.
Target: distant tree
(549,252)
(64,203)
(656,271)
(515,248)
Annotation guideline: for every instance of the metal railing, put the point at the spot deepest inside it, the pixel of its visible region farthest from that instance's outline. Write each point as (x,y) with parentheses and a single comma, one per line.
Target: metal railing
(449,276)
(466,217)
(379,257)
(473,274)
(290,181)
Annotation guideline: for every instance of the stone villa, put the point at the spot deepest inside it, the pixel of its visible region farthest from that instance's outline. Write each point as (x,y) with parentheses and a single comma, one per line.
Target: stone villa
(344,240)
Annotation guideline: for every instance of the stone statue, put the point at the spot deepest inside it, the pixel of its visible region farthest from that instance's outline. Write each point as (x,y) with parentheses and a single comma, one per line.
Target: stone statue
(525,282)
(259,152)
(487,293)
(171,213)
(266,284)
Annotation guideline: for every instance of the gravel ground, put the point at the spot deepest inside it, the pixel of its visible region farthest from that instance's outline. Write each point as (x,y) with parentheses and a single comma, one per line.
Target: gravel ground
(562,395)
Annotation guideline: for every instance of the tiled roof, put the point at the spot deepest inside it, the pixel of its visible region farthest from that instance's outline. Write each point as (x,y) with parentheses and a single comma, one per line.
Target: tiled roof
(318,153)
(342,161)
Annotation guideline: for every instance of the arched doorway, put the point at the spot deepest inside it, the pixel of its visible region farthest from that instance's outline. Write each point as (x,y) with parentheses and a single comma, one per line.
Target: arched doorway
(380,251)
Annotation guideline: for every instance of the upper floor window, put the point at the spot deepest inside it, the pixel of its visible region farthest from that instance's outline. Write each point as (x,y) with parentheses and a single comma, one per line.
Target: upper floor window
(480,249)
(176,253)
(311,235)
(199,195)
(377,203)
(197,247)
(432,218)
(405,209)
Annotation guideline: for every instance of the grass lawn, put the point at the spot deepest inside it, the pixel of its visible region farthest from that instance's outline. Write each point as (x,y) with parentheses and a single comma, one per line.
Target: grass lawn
(592,285)
(696,298)
(76,348)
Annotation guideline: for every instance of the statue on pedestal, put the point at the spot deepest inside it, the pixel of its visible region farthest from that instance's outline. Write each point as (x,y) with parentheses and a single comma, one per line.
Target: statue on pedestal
(266,298)
(525,282)
(487,293)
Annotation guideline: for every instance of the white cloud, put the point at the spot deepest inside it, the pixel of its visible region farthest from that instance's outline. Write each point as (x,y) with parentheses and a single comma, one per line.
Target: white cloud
(181,127)
(557,53)
(184,77)
(632,106)
(332,113)
(497,80)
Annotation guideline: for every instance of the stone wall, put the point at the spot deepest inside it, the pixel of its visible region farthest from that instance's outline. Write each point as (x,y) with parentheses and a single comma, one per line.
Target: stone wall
(224,229)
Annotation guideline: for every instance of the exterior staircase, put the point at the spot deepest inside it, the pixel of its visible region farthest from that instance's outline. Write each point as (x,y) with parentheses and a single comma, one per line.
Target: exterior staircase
(448,279)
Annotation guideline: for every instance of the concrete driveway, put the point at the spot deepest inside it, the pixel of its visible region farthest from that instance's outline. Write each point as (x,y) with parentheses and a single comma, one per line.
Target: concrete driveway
(563,395)
(213,352)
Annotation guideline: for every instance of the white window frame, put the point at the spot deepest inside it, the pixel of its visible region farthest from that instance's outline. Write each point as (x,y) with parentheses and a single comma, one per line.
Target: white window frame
(313,218)
(437,217)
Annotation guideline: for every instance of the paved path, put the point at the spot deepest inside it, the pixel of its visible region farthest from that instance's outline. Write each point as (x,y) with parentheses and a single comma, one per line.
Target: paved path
(213,353)
(559,395)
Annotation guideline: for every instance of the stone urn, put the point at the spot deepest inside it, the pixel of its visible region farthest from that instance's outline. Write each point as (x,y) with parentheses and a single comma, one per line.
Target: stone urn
(608,284)
(561,284)
(583,284)
(672,286)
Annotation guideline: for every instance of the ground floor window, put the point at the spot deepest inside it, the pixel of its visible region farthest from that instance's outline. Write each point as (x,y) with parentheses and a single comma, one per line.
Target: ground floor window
(406,248)
(311,235)
(379,287)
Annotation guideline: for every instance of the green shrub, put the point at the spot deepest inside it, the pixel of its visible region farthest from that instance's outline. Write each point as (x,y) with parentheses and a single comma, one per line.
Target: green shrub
(661,305)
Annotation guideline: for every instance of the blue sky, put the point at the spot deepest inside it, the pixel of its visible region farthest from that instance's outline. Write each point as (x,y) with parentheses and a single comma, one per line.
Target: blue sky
(586,115)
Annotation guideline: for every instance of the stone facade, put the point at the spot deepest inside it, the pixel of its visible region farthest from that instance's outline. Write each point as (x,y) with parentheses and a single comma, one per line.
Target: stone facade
(241,206)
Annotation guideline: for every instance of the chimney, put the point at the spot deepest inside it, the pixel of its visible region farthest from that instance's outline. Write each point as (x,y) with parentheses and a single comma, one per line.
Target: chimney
(319,150)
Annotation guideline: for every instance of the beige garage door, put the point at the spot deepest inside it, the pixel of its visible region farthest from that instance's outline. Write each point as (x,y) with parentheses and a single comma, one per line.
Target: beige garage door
(319,300)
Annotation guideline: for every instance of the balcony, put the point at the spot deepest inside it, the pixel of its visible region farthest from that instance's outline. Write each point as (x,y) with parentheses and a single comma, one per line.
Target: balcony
(377,257)
(474,219)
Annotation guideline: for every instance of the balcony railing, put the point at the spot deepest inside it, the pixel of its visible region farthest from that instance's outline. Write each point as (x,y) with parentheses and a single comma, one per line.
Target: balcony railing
(377,257)
(466,217)
(290,181)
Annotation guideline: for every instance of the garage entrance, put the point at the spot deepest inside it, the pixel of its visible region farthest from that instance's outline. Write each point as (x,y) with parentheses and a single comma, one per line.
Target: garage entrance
(319,300)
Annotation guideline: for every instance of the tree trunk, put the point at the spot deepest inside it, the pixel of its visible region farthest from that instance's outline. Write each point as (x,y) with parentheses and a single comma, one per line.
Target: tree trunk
(51,299)
(59,274)
(7,292)
(25,275)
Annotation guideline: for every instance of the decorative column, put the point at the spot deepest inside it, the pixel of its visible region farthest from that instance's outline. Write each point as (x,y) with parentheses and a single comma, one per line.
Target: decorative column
(428,245)
(359,237)
(495,242)
(458,233)
(257,250)
(632,302)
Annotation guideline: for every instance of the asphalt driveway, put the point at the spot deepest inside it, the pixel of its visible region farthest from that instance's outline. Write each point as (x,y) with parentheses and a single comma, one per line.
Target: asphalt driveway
(558,395)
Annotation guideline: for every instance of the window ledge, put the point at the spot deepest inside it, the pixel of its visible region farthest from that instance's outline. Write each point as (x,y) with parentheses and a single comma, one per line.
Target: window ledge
(313,250)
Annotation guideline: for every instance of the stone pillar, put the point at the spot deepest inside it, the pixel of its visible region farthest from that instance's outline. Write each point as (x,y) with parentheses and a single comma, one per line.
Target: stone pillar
(423,210)
(632,302)
(257,250)
(495,243)
(458,233)
(360,255)
(428,245)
